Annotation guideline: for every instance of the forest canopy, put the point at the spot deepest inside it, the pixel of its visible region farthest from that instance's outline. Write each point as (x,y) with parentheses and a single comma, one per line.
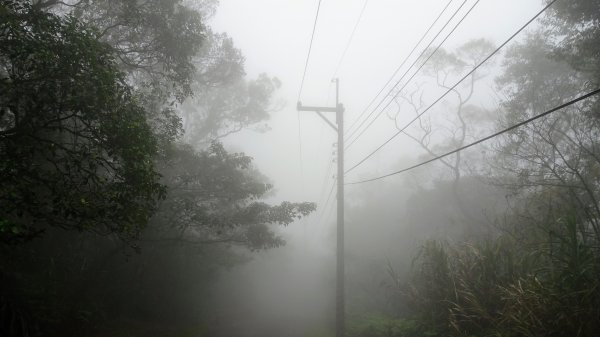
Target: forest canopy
(96,165)
(128,209)
(511,230)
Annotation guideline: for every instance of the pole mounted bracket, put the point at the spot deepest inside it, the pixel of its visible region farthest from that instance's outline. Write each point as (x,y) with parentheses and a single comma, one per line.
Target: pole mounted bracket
(318,110)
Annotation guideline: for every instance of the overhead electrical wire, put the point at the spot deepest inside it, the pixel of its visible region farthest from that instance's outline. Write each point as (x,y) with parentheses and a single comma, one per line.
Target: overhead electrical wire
(330,193)
(324,209)
(452,87)
(325,179)
(400,67)
(300,155)
(337,68)
(529,120)
(324,190)
(324,185)
(329,213)
(411,78)
(312,36)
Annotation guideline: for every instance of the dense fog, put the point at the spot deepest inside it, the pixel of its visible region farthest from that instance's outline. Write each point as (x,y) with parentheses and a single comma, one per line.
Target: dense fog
(166,169)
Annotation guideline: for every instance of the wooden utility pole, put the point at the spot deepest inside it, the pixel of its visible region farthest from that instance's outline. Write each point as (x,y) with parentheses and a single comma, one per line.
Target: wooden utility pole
(339,118)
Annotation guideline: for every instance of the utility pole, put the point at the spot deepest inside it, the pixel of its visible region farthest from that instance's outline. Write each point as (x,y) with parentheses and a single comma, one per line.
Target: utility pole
(339,118)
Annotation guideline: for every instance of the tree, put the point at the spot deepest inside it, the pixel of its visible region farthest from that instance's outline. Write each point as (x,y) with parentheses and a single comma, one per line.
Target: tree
(446,68)
(156,44)
(214,197)
(91,129)
(552,162)
(153,41)
(227,109)
(461,120)
(77,151)
(576,23)
(180,68)
(551,167)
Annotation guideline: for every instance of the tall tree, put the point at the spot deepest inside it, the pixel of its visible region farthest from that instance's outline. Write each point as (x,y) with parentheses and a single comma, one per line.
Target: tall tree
(214,197)
(91,120)
(77,151)
(554,159)
(575,34)
(461,119)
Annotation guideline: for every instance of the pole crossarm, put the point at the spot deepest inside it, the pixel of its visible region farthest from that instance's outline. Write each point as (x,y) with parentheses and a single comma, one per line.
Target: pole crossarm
(301,107)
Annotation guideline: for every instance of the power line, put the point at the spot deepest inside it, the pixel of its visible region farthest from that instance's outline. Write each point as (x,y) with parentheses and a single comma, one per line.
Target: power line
(325,179)
(327,201)
(328,214)
(400,66)
(350,40)
(410,79)
(451,88)
(330,193)
(300,156)
(562,106)
(413,75)
(300,93)
(309,50)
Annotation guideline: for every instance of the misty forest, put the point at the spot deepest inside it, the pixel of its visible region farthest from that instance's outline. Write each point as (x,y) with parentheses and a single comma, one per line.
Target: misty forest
(271,168)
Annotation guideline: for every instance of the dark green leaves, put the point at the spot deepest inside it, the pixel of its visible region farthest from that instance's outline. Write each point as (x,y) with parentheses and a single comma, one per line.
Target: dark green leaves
(214,196)
(77,151)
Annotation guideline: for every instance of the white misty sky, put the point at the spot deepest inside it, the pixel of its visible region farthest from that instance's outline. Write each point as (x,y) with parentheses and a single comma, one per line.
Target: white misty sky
(274,36)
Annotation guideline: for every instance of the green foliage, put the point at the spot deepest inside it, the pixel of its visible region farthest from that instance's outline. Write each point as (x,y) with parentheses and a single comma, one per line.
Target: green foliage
(78,153)
(382,326)
(215,197)
(90,124)
(455,288)
(154,41)
(538,273)
(376,325)
(229,108)
(562,297)
(551,165)
(76,282)
(577,23)
(433,288)
(505,287)
(541,277)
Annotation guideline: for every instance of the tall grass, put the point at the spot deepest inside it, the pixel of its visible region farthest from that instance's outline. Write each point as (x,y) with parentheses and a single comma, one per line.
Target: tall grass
(508,287)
